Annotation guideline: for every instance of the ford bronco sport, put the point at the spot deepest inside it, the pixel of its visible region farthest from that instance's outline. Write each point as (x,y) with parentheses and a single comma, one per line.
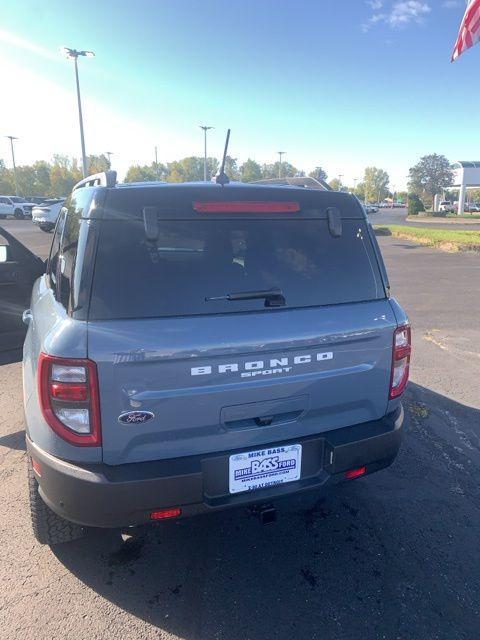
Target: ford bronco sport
(194,347)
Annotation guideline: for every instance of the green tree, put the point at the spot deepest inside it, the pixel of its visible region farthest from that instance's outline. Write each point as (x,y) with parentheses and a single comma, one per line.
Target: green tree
(360,191)
(375,184)
(275,170)
(146,173)
(431,175)
(336,184)
(231,168)
(7,184)
(190,169)
(250,171)
(474,195)
(415,205)
(64,174)
(318,173)
(97,164)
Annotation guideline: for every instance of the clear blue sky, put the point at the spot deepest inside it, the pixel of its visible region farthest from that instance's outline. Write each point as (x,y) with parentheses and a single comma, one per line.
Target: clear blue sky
(339,84)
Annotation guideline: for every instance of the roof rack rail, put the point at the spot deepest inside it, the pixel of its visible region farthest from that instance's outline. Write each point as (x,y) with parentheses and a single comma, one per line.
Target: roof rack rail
(105,179)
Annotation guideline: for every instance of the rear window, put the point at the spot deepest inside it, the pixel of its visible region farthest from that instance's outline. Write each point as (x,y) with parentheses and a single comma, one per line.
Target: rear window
(194,260)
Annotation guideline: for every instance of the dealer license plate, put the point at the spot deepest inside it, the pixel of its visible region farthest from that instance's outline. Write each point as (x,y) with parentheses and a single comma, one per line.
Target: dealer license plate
(262,468)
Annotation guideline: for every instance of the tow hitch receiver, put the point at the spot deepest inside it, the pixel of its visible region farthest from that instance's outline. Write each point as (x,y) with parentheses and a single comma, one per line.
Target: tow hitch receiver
(266,513)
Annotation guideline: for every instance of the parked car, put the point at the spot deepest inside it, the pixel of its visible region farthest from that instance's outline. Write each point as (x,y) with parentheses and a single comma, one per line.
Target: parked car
(370,208)
(195,347)
(471,207)
(46,214)
(446,206)
(15,206)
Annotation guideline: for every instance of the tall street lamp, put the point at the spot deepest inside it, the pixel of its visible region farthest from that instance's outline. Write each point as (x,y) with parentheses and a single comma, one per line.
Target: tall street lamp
(205,129)
(280,154)
(12,138)
(109,154)
(74,54)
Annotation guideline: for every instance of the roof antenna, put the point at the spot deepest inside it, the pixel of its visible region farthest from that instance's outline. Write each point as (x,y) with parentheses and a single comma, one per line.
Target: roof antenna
(221,177)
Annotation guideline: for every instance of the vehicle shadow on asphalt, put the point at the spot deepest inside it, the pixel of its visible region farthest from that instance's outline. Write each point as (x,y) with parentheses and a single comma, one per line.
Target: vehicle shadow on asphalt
(391,555)
(11,356)
(14,441)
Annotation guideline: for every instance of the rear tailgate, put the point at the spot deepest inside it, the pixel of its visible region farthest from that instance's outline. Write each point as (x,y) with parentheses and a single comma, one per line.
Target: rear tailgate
(322,370)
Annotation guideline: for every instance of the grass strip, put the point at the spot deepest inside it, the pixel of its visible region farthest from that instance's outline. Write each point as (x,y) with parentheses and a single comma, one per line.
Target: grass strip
(444,239)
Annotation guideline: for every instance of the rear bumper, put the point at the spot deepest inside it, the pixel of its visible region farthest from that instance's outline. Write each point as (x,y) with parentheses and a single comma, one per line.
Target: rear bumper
(99,495)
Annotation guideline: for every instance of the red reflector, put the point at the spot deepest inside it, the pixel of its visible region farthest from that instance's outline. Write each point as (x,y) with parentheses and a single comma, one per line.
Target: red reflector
(164,514)
(355,473)
(36,467)
(248,206)
(72,392)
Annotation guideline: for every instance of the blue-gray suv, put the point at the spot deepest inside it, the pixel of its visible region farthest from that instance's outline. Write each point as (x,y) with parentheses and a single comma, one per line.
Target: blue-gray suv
(194,347)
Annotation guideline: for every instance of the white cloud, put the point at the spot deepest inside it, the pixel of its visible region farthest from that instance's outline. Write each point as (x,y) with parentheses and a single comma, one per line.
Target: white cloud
(400,14)
(451,4)
(409,11)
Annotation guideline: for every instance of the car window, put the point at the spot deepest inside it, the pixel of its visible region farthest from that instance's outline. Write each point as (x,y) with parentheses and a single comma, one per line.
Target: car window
(194,264)
(53,258)
(72,237)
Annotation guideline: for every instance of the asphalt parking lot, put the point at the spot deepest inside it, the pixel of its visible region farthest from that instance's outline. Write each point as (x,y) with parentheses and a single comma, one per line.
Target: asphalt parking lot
(394,555)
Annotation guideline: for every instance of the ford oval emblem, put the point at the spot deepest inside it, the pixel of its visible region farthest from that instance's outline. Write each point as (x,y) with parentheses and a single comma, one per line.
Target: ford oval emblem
(135,417)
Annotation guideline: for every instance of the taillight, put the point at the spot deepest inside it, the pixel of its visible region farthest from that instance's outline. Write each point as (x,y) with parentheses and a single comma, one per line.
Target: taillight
(246,206)
(68,390)
(402,348)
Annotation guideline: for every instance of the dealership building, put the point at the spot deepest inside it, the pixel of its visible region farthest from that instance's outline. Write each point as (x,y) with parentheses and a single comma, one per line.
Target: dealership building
(466,175)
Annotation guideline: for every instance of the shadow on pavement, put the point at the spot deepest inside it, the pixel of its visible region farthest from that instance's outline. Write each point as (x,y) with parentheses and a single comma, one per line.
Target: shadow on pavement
(393,555)
(11,356)
(14,441)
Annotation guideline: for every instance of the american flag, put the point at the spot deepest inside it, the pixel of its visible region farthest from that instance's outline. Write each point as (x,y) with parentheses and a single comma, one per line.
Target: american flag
(469,33)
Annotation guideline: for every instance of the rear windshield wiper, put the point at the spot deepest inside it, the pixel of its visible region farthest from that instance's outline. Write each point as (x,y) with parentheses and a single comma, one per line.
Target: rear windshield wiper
(272,297)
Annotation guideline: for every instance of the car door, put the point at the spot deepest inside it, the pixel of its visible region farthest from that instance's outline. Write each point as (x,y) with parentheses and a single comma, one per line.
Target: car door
(5,208)
(19,268)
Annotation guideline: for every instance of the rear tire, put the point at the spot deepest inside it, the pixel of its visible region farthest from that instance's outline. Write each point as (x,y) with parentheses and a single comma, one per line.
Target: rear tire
(48,228)
(18,214)
(3,216)
(48,528)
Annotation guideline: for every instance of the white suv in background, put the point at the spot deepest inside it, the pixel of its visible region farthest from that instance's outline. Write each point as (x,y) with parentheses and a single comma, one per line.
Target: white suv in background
(46,214)
(15,206)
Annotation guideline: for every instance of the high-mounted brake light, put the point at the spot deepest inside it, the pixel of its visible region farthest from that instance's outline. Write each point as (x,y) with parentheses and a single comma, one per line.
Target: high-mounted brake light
(402,348)
(68,391)
(247,206)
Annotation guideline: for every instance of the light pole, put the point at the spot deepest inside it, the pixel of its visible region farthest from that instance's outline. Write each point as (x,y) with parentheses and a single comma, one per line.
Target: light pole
(280,154)
(355,180)
(156,163)
(74,54)
(340,176)
(12,138)
(109,154)
(205,129)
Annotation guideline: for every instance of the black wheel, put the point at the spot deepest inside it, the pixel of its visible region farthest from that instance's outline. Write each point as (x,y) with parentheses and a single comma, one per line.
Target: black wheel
(46,227)
(3,216)
(48,528)
(18,214)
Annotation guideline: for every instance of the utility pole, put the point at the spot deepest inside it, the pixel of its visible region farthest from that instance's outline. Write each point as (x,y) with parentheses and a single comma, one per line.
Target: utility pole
(74,54)
(12,138)
(280,154)
(109,154)
(205,129)
(156,163)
